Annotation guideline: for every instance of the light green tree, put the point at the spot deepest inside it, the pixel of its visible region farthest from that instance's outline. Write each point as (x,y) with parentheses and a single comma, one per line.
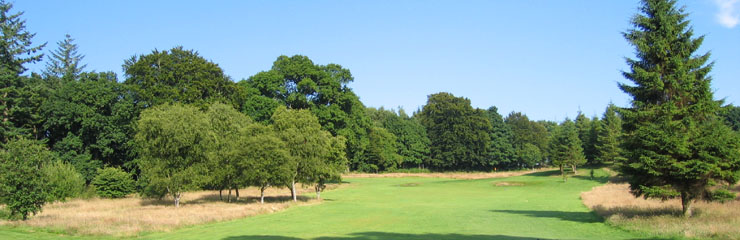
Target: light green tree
(23,187)
(173,143)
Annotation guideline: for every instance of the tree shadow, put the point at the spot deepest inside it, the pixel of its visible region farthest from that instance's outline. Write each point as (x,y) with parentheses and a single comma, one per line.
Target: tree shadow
(636,211)
(599,179)
(211,198)
(550,173)
(388,235)
(583,217)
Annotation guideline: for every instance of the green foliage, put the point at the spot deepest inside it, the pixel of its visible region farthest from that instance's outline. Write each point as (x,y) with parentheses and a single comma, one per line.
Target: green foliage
(501,151)
(411,136)
(23,188)
(587,134)
(674,138)
(609,137)
(525,132)
(64,62)
(264,158)
(382,153)
(177,76)
(173,143)
(459,134)
(732,117)
(227,128)
(63,179)
(297,83)
(565,147)
(17,50)
(529,155)
(113,183)
(89,122)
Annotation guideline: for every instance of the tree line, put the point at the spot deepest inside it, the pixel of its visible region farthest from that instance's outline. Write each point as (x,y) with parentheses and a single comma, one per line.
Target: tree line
(176,122)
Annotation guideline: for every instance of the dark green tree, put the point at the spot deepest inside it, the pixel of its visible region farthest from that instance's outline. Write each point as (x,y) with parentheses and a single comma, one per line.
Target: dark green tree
(525,132)
(459,134)
(23,187)
(587,134)
(16,50)
(411,136)
(297,83)
(677,146)
(227,125)
(732,116)
(382,153)
(609,137)
(265,160)
(501,151)
(178,76)
(113,182)
(64,61)
(566,148)
(89,122)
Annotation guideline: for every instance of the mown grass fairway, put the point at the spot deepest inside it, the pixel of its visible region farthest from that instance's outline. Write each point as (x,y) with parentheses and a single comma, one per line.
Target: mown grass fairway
(532,206)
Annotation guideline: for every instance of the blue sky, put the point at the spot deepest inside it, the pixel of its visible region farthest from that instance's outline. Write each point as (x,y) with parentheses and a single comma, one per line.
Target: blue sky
(547,59)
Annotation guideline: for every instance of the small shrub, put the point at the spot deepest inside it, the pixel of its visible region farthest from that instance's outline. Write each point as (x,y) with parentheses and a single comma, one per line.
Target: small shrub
(113,183)
(64,181)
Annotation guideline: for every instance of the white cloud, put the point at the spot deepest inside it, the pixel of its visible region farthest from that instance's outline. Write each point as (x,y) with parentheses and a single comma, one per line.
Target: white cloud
(728,14)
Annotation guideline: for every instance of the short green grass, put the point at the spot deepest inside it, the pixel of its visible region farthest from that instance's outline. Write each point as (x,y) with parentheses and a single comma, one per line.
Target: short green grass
(538,206)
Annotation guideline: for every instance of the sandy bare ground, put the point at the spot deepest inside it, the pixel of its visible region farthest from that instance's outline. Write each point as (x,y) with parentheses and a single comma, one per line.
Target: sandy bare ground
(620,208)
(133,215)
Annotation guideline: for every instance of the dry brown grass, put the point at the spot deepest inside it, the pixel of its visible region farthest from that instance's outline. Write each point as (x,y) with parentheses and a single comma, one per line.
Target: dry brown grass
(453,175)
(133,215)
(620,208)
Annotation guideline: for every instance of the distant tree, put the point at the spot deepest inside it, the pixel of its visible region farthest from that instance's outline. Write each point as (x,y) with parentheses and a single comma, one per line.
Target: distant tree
(411,137)
(677,146)
(173,143)
(65,60)
(565,147)
(334,165)
(459,134)
(609,137)
(113,183)
(587,135)
(89,123)
(529,155)
(297,83)
(732,117)
(177,76)
(227,125)
(382,153)
(23,188)
(525,131)
(501,151)
(63,179)
(16,50)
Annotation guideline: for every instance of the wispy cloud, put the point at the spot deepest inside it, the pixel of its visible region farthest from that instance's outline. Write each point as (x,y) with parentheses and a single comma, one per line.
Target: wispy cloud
(728,14)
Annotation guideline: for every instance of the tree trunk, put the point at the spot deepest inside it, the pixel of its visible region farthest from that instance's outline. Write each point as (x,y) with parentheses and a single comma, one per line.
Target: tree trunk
(177,199)
(292,191)
(562,172)
(229,197)
(220,195)
(237,194)
(686,204)
(574,169)
(262,195)
(318,192)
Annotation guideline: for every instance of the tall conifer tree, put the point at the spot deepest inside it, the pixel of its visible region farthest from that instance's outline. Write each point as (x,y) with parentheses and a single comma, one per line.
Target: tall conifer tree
(677,146)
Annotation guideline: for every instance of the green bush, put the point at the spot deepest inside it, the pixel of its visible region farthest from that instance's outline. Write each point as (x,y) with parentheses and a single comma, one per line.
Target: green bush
(63,179)
(113,183)
(23,188)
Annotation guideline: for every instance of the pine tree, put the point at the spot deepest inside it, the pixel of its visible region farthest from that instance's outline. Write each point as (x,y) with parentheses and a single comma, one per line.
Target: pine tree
(677,145)
(609,137)
(15,51)
(585,127)
(65,61)
(566,148)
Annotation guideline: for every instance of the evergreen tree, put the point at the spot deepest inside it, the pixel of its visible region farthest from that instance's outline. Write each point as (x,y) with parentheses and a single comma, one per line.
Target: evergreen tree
(565,147)
(65,60)
(585,127)
(677,147)
(609,137)
(15,50)
(501,150)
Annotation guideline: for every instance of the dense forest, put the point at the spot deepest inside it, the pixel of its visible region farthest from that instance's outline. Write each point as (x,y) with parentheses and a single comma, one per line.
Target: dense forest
(175,122)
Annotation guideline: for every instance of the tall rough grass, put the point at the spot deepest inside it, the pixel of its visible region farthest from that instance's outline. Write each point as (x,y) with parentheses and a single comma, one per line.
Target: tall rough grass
(711,220)
(134,215)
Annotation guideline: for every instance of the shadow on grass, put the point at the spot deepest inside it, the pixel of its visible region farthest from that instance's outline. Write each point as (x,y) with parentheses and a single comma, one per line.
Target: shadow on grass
(388,235)
(210,198)
(635,211)
(584,217)
(599,179)
(544,173)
